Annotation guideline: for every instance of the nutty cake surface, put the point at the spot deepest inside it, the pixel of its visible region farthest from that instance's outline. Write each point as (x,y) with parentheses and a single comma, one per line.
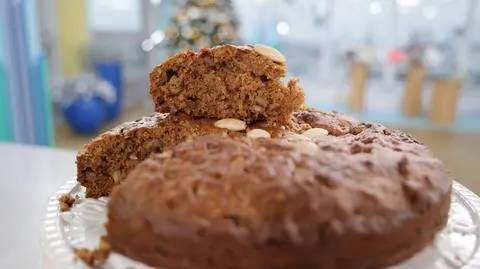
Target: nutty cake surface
(358,201)
(226,82)
(105,162)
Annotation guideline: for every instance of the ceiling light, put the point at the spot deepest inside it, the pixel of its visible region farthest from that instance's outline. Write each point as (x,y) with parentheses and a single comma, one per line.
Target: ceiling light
(147,45)
(283,28)
(157,37)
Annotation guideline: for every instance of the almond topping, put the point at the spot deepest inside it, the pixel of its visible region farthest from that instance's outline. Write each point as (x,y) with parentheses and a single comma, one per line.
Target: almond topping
(231,124)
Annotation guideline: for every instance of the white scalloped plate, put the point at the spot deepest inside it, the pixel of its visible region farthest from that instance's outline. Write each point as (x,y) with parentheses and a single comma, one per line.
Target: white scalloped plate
(456,247)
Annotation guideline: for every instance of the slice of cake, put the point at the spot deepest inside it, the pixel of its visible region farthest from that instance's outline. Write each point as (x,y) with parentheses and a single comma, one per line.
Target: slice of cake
(217,202)
(107,160)
(226,82)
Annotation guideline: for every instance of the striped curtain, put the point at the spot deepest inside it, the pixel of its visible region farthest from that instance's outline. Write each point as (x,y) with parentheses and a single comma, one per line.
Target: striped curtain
(25,102)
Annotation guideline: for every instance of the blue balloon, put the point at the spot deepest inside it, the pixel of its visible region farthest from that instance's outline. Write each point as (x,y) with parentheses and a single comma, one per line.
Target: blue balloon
(86,116)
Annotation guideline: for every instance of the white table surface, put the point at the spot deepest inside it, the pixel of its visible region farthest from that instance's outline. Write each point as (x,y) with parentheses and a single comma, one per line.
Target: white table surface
(28,177)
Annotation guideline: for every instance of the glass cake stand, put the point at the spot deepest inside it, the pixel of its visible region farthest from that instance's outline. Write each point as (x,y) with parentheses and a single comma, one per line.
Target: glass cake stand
(457,247)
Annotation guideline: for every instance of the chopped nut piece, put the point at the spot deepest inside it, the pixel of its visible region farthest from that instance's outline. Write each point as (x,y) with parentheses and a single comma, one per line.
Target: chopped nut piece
(231,124)
(324,139)
(257,133)
(311,133)
(305,146)
(116,176)
(270,53)
(257,108)
(261,101)
(296,137)
(244,47)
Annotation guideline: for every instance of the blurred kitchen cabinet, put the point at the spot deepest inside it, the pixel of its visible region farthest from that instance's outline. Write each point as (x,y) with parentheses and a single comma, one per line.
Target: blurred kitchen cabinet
(359,77)
(444,101)
(412,96)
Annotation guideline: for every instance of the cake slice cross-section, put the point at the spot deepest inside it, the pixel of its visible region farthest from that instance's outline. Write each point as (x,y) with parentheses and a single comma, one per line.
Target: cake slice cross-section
(226,82)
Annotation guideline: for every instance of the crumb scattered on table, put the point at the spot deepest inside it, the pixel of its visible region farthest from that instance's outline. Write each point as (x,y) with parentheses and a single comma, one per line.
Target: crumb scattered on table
(66,202)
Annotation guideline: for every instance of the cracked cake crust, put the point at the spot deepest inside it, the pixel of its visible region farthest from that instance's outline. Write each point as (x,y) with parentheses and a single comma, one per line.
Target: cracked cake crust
(218,202)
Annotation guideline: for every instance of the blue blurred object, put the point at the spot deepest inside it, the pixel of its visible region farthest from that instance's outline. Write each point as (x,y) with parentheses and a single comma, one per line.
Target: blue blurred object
(86,116)
(112,72)
(85,100)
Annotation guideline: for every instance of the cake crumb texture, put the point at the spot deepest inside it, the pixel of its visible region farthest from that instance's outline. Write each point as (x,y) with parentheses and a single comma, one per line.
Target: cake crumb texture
(225,82)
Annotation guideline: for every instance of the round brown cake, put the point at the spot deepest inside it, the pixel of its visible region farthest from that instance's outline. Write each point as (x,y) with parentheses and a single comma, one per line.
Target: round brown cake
(367,199)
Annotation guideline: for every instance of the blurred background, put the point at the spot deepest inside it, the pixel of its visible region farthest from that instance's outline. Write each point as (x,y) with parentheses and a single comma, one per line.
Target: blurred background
(71,69)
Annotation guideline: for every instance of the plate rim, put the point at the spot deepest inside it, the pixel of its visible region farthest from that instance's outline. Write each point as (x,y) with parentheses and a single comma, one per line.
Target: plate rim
(472,202)
(51,235)
(57,253)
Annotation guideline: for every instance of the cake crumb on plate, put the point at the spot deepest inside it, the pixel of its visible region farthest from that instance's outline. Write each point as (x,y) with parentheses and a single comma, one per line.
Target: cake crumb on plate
(94,256)
(66,202)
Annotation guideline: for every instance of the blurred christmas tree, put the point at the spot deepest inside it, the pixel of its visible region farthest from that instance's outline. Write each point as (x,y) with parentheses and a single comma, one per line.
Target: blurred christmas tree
(202,23)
